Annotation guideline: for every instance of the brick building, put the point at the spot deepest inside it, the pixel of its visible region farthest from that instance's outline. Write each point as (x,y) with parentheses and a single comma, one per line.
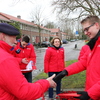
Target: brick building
(31,29)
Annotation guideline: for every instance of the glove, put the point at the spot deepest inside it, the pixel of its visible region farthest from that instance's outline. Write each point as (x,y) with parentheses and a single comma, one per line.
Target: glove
(83,95)
(60,75)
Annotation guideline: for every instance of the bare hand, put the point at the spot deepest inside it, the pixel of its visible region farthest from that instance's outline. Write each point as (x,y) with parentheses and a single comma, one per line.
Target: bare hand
(52,83)
(25,61)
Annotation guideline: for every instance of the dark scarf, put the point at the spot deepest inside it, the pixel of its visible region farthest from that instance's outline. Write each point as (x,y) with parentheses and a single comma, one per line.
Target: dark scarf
(56,47)
(92,42)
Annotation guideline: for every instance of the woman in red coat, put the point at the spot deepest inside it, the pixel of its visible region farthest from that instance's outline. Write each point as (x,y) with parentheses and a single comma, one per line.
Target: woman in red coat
(54,62)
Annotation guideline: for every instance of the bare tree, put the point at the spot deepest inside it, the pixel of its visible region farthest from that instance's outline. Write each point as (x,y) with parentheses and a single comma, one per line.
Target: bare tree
(79,7)
(70,12)
(37,17)
(14,2)
(50,25)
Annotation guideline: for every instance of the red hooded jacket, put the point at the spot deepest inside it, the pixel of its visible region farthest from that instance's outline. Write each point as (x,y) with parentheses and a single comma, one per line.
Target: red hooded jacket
(13,85)
(54,60)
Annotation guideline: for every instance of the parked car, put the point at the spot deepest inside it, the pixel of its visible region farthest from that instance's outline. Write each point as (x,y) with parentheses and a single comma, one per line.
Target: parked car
(72,40)
(45,43)
(64,41)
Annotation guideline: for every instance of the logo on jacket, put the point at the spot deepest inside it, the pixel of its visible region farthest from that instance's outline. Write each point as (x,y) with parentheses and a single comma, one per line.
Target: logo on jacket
(18,51)
(28,48)
(62,50)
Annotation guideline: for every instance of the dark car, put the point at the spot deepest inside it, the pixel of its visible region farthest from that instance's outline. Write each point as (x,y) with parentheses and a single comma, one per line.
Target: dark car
(64,41)
(45,43)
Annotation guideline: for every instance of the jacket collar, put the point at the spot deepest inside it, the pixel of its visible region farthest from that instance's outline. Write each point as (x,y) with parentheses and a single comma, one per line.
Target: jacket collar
(92,42)
(5,46)
(57,48)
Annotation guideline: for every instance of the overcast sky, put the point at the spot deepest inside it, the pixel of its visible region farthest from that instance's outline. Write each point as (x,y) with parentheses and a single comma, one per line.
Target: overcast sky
(24,8)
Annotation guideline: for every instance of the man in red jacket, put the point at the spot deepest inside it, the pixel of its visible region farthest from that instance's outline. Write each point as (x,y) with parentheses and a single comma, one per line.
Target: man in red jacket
(13,84)
(25,52)
(90,61)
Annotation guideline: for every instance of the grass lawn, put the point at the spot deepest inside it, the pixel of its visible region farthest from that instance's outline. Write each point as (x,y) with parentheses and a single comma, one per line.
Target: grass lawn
(73,81)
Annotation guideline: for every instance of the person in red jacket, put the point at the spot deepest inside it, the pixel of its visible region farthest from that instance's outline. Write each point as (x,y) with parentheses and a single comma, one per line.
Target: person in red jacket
(54,62)
(89,62)
(24,51)
(13,84)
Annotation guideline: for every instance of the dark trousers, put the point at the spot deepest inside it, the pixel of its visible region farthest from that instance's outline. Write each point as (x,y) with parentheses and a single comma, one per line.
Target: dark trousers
(58,85)
(28,76)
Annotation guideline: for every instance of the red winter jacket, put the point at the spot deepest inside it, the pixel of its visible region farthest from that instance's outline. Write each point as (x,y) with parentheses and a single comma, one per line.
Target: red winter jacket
(13,85)
(83,51)
(54,60)
(91,62)
(27,52)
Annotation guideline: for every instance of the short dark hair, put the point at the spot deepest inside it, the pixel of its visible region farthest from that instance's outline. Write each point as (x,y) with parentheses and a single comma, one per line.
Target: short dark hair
(26,39)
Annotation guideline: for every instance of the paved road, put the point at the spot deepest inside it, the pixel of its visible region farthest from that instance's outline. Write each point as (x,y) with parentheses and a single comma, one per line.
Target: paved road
(70,51)
(40,52)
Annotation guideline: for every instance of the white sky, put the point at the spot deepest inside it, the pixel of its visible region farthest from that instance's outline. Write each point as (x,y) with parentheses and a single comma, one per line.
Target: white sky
(24,8)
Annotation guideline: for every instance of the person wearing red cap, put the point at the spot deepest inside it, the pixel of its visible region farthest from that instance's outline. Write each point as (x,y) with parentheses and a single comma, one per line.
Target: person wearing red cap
(13,84)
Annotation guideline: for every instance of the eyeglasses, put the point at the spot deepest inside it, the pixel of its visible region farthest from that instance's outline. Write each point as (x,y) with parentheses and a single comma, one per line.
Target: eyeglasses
(87,28)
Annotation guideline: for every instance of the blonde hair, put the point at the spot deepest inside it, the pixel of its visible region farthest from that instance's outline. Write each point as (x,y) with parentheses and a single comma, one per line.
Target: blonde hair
(52,41)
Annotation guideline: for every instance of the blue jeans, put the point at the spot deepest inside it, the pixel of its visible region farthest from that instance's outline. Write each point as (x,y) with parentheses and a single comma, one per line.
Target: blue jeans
(58,85)
(28,76)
